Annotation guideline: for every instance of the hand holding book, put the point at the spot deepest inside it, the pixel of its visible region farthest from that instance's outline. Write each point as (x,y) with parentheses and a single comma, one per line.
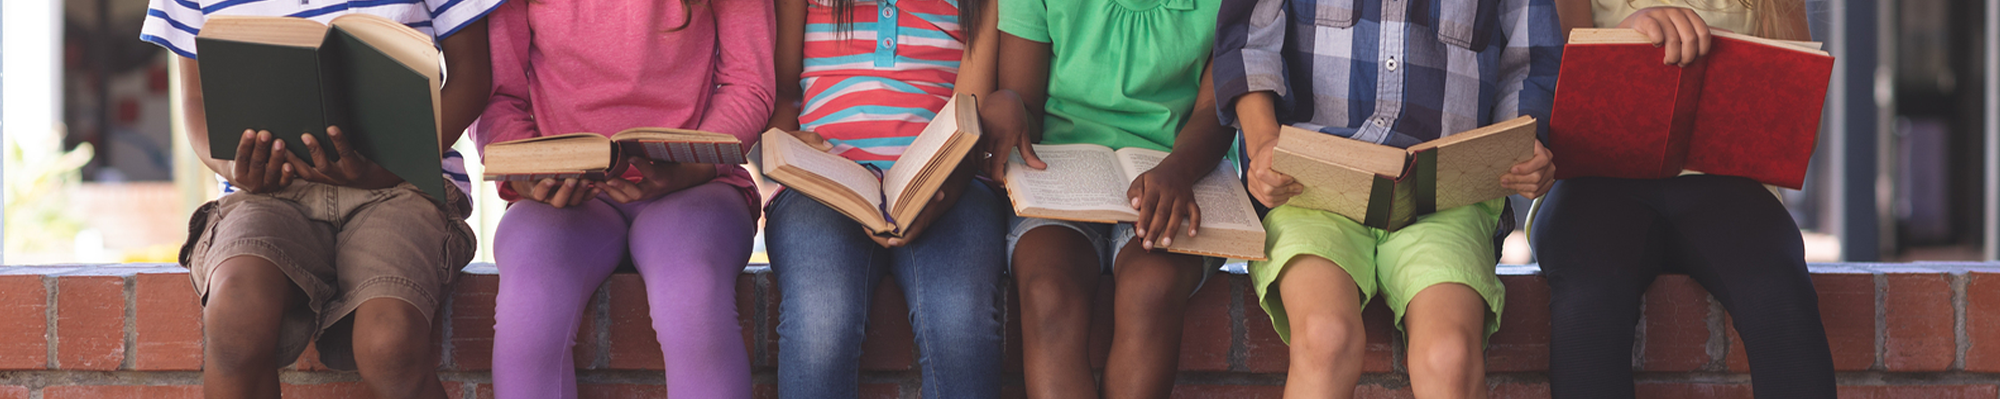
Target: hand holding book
(340,165)
(657,178)
(260,165)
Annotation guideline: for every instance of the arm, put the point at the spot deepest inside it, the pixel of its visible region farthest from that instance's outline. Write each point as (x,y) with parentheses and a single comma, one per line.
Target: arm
(261,162)
(470,73)
(1165,195)
(744,91)
(1249,85)
(194,118)
(790,62)
(1528,83)
(1012,115)
(509,112)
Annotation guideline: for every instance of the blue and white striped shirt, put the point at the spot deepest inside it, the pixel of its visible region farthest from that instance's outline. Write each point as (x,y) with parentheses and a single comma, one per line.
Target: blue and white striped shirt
(174,23)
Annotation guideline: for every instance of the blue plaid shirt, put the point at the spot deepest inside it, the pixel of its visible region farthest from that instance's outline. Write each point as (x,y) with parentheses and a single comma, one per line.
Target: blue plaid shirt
(1394,72)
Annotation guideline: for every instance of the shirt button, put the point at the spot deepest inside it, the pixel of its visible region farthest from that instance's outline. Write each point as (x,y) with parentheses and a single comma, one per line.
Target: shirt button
(1391,63)
(1383,122)
(887,43)
(888,12)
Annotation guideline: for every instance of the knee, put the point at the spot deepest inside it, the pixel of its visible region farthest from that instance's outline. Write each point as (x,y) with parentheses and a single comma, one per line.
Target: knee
(1326,340)
(1044,296)
(394,342)
(820,337)
(1454,356)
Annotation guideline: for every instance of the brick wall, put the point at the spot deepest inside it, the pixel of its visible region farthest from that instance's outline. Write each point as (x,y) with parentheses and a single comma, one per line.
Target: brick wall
(1929,330)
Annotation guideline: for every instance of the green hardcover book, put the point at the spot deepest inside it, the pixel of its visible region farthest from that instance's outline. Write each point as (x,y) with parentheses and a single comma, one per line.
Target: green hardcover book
(374,78)
(1388,188)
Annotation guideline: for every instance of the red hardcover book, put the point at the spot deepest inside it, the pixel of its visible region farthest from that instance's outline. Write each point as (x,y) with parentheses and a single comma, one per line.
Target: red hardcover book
(1750,108)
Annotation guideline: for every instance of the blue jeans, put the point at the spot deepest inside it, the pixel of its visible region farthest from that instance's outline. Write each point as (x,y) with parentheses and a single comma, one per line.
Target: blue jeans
(952,277)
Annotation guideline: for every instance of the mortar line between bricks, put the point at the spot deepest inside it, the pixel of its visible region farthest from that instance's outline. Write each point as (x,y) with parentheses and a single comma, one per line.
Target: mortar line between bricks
(50,334)
(1958,298)
(1718,338)
(130,362)
(450,357)
(1881,322)
(1639,337)
(601,300)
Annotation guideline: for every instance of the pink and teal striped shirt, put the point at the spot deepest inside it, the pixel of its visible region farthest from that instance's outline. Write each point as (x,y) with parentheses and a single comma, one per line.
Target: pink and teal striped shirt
(871,88)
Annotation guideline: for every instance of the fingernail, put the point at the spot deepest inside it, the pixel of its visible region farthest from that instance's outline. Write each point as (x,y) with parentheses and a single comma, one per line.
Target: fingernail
(1135,202)
(1166,241)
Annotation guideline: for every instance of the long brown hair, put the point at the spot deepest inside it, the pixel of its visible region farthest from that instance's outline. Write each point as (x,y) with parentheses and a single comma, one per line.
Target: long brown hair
(968,15)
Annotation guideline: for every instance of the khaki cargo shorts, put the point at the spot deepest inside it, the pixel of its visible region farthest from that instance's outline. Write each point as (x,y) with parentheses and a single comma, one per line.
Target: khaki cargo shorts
(341,246)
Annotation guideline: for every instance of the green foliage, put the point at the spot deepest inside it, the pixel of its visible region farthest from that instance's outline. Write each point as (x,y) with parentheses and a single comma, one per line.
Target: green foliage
(39,180)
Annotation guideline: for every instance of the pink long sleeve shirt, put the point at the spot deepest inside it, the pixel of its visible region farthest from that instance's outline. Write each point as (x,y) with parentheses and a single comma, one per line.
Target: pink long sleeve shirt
(566,66)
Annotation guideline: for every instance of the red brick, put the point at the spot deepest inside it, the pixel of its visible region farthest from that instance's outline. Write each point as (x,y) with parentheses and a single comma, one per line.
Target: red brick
(1228,392)
(24,323)
(472,322)
(309,360)
(764,391)
(13,392)
(1676,325)
(1846,309)
(884,391)
(1737,359)
(1519,390)
(1919,320)
(122,392)
(1369,391)
(746,316)
(1378,355)
(634,345)
(90,321)
(1522,344)
(620,391)
(168,323)
(1682,390)
(1205,328)
(1263,352)
(888,340)
(330,390)
(1918,391)
(1982,322)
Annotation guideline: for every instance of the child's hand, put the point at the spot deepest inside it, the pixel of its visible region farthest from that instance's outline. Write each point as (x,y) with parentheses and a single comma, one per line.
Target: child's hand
(260,165)
(1534,177)
(1682,32)
(559,193)
(812,139)
(1164,196)
(1269,186)
(1008,126)
(930,214)
(352,170)
(658,179)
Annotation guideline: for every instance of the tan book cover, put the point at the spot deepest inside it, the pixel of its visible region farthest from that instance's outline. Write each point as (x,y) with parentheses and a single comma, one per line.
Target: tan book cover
(1386,187)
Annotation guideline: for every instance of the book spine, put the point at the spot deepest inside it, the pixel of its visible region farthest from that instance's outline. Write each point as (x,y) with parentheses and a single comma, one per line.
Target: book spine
(1687,100)
(1381,203)
(1425,177)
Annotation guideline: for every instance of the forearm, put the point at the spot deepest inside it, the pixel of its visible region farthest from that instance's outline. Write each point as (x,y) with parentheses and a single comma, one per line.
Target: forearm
(1204,140)
(468,58)
(790,62)
(1258,114)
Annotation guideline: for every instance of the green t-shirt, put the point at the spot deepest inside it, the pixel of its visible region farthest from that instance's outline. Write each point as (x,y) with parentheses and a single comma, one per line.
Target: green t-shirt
(1124,72)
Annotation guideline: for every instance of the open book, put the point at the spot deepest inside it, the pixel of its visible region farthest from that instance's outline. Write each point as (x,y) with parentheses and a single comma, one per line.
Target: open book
(1749,108)
(889,201)
(1087,183)
(1387,187)
(594,156)
(376,79)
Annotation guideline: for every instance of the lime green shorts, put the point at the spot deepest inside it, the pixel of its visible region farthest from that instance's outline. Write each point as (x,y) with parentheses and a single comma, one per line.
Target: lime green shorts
(1450,246)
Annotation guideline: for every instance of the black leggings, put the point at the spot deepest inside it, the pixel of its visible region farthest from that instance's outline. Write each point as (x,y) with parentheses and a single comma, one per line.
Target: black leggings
(1602,241)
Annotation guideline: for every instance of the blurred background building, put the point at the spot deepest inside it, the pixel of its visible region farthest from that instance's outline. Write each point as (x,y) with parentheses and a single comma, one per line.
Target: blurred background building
(1905,169)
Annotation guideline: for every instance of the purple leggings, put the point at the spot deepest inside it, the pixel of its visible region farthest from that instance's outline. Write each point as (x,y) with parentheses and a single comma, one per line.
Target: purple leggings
(689,247)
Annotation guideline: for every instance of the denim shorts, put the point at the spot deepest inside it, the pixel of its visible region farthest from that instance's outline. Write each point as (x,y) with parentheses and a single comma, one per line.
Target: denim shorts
(1107,238)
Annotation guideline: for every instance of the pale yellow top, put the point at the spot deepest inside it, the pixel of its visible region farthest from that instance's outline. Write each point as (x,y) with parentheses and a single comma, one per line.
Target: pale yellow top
(1725,14)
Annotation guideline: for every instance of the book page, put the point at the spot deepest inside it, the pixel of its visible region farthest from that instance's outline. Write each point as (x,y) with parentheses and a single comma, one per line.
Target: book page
(1223,201)
(1079,177)
(835,169)
(921,152)
(295,32)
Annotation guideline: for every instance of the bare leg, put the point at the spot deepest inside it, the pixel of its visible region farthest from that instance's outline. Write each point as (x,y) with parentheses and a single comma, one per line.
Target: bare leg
(247,298)
(1324,306)
(1056,272)
(1446,325)
(1152,295)
(392,347)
